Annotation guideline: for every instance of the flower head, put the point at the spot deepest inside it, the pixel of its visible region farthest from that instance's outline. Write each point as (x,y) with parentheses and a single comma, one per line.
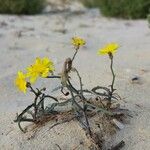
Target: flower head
(20,81)
(41,68)
(77,42)
(109,49)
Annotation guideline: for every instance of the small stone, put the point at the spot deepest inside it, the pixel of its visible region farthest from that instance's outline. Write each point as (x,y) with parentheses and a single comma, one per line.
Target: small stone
(115,105)
(136,80)
(118,124)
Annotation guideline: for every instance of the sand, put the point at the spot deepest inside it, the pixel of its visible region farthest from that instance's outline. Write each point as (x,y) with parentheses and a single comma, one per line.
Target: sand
(23,38)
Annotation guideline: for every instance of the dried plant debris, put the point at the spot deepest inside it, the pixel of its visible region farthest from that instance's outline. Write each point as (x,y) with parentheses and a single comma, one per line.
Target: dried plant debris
(97,110)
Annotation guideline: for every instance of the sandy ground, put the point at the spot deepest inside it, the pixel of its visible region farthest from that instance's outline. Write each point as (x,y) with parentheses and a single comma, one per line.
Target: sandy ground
(23,38)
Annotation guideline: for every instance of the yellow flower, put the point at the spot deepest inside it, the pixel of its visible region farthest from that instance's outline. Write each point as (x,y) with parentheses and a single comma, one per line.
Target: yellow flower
(40,68)
(21,82)
(108,49)
(77,42)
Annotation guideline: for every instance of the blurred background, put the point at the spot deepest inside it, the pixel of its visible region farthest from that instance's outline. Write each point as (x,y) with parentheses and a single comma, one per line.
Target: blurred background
(125,9)
(129,9)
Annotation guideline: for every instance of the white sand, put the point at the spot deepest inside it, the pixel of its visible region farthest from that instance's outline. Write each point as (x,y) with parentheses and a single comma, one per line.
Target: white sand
(23,38)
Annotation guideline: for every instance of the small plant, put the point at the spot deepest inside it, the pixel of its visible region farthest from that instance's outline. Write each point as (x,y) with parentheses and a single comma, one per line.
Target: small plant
(129,9)
(148,17)
(109,50)
(21,6)
(82,107)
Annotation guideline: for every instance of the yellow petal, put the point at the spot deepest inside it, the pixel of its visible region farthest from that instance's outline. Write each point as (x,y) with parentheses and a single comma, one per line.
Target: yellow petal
(45,74)
(77,41)
(20,81)
(33,79)
(109,48)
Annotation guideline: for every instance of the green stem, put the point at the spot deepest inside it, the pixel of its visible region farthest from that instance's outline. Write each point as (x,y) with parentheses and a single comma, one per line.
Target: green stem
(76,49)
(35,108)
(74,55)
(113,81)
(37,94)
(53,77)
(113,74)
